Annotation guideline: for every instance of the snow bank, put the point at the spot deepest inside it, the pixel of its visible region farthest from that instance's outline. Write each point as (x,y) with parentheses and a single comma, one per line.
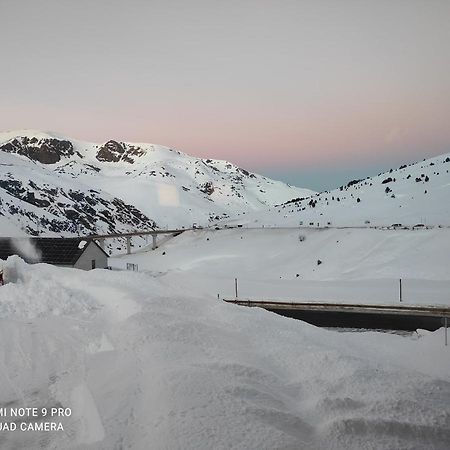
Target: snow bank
(40,290)
(144,364)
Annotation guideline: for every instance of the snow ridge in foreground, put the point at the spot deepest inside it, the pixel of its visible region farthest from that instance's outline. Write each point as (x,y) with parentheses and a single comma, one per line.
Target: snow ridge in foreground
(143,364)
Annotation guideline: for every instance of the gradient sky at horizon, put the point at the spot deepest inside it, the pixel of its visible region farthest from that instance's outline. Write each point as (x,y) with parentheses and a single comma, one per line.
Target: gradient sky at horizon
(310,92)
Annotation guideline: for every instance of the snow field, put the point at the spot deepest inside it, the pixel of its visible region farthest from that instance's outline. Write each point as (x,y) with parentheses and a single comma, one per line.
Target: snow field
(357,265)
(174,368)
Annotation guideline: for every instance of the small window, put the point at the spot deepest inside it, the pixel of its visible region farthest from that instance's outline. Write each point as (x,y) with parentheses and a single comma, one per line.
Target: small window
(93,264)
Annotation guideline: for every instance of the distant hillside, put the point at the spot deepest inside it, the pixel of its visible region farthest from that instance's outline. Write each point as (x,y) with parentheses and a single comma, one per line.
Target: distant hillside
(412,194)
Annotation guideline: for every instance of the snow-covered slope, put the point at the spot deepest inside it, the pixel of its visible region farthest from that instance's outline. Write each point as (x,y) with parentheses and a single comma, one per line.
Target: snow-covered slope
(337,265)
(172,189)
(145,363)
(46,177)
(413,194)
(38,200)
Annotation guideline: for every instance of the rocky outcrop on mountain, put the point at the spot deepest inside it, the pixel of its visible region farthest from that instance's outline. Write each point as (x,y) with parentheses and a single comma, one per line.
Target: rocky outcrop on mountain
(207,188)
(113,151)
(45,151)
(59,210)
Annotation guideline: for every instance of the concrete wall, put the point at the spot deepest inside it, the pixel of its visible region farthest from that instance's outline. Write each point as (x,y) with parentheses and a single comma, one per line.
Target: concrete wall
(92,252)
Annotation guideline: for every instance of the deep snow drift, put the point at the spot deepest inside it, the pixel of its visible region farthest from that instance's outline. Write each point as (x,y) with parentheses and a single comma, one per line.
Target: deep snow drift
(146,363)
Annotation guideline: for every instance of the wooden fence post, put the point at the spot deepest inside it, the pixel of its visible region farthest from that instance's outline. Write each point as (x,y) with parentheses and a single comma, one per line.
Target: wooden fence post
(445,329)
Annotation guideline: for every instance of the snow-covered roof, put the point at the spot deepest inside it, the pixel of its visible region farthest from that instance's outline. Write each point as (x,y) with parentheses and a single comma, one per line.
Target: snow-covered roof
(56,251)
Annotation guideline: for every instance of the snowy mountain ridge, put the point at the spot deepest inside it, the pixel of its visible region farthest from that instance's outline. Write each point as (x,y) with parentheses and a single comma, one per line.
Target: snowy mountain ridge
(413,194)
(50,184)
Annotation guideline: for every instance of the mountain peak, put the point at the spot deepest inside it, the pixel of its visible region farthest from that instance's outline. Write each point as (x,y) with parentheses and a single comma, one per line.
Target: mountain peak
(42,148)
(53,184)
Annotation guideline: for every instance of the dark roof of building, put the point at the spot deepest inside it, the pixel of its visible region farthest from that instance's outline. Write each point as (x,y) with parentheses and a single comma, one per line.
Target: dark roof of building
(57,251)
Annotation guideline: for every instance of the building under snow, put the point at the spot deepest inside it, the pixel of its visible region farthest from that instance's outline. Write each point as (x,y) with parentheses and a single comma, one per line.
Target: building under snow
(80,253)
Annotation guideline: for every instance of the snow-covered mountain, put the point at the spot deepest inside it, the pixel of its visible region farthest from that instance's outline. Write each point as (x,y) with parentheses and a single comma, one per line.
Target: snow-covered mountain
(413,194)
(50,184)
(54,185)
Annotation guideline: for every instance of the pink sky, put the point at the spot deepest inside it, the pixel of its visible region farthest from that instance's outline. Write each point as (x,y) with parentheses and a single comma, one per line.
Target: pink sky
(264,84)
(355,134)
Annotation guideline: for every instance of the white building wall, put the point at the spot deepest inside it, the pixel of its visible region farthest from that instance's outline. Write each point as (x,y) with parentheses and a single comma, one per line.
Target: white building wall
(92,252)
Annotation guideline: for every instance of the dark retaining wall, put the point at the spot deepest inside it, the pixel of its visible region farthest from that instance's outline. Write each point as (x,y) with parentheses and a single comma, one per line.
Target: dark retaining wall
(363,320)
